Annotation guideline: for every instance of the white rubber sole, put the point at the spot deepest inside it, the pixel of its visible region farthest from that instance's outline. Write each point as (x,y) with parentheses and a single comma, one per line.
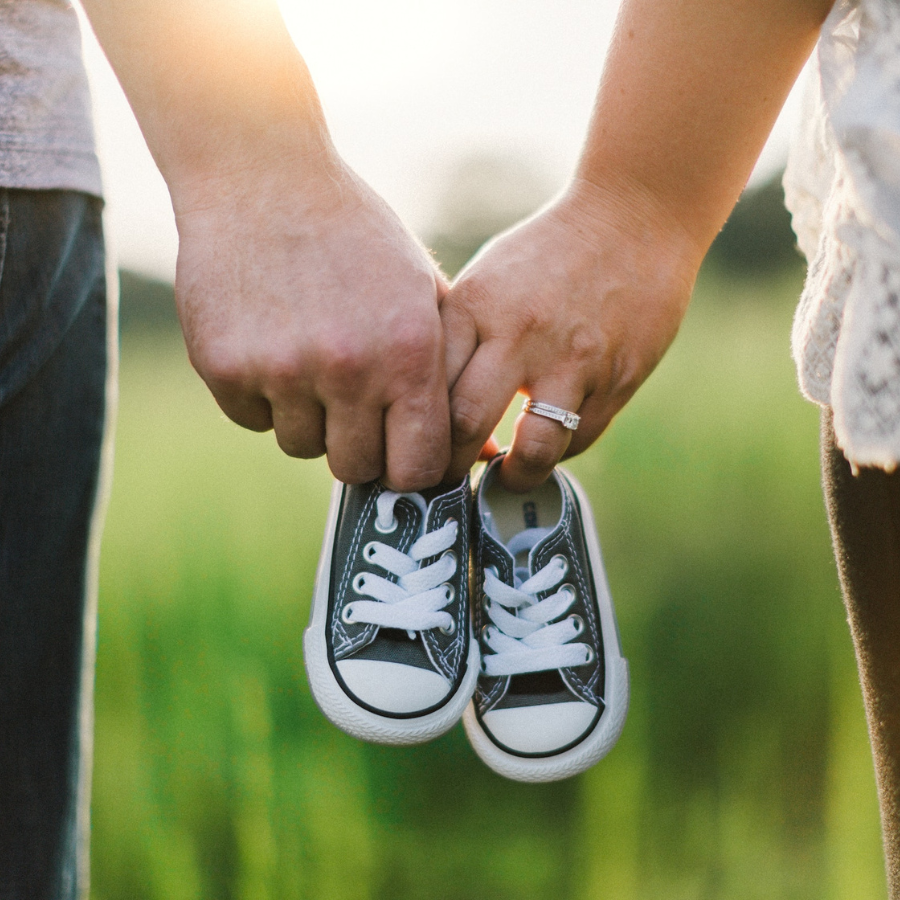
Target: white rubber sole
(330,697)
(615,694)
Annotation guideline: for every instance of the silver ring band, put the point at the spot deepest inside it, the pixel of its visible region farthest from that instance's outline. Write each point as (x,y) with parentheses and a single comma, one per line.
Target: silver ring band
(565,418)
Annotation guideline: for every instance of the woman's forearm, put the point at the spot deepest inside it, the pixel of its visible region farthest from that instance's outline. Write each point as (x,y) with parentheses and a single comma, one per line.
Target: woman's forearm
(690,92)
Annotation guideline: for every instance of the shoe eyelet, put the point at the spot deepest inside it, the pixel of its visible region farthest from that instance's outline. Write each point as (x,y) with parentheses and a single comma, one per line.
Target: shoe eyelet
(390,529)
(590,656)
(451,554)
(450,519)
(485,633)
(569,589)
(369,549)
(563,561)
(359,583)
(450,629)
(346,614)
(450,593)
(493,570)
(578,622)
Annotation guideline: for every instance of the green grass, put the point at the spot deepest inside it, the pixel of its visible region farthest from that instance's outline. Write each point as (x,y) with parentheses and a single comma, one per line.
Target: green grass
(743,771)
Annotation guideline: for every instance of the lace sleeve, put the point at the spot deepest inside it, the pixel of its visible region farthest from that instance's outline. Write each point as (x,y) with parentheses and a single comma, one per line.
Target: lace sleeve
(843,188)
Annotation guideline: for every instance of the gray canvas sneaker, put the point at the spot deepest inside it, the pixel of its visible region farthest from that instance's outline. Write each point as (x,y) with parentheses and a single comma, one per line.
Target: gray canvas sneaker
(388,650)
(553,690)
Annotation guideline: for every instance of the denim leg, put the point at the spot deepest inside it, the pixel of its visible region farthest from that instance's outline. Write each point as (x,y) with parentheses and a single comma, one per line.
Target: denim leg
(53,364)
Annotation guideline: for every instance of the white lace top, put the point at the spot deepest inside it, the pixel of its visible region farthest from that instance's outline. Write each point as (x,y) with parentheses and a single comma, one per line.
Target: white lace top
(842,185)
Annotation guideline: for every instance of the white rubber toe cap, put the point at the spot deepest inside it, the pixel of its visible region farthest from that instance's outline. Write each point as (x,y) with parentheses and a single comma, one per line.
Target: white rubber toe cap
(393,687)
(540,729)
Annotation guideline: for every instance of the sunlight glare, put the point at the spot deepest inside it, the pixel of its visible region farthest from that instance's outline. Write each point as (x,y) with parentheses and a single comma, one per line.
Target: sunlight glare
(357,47)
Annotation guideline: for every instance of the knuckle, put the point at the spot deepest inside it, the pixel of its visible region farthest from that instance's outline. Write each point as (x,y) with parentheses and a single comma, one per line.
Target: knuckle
(472,297)
(353,474)
(416,338)
(470,291)
(355,461)
(300,448)
(288,445)
(279,374)
(343,364)
(535,455)
(415,347)
(627,373)
(218,363)
(468,418)
(583,347)
(419,462)
(258,423)
(414,477)
(535,318)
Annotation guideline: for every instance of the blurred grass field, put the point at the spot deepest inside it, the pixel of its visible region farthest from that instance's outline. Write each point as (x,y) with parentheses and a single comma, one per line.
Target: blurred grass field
(743,771)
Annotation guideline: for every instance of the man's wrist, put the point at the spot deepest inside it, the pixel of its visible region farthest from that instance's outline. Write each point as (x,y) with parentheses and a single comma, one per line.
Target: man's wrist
(296,157)
(218,87)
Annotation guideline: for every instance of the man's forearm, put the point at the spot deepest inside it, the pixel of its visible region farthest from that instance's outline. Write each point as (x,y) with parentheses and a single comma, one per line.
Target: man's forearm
(216,85)
(690,92)
(306,305)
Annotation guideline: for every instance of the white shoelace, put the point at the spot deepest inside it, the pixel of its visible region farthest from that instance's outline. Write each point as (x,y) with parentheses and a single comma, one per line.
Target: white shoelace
(528,639)
(415,601)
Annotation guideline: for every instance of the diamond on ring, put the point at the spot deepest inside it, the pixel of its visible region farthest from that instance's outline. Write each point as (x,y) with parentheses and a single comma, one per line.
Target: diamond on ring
(567,419)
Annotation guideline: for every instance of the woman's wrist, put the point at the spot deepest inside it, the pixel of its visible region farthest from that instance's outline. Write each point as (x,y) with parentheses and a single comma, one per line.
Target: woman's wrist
(625,210)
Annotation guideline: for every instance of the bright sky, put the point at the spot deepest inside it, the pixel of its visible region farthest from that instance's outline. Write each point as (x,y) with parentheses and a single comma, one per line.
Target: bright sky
(409,87)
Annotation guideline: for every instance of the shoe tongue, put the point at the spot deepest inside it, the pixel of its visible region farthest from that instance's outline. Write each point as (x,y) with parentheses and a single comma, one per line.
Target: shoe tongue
(520,546)
(525,540)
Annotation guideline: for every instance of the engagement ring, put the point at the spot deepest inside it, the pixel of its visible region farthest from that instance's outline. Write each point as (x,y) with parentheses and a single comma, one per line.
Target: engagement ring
(567,419)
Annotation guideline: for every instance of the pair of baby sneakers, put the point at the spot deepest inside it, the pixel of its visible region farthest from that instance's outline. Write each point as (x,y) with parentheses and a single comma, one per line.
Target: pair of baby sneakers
(421,617)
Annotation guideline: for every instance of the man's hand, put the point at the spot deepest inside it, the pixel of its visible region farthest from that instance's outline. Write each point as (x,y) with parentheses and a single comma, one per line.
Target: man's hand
(574,307)
(306,304)
(307,307)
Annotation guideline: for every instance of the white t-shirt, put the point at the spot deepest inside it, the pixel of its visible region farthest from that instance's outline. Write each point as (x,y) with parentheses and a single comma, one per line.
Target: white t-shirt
(46,133)
(842,185)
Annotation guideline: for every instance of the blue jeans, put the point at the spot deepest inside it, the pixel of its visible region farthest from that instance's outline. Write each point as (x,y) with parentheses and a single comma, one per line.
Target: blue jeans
(53,368)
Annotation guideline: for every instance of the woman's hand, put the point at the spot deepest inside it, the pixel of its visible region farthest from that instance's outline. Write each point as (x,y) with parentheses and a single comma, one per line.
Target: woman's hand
(574,307)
